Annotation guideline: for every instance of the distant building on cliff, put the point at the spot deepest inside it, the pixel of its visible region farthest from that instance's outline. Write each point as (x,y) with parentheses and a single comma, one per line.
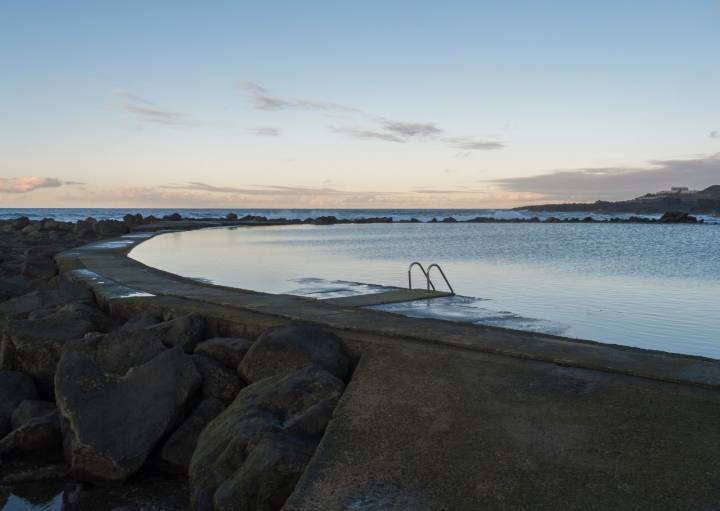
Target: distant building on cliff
(672,192)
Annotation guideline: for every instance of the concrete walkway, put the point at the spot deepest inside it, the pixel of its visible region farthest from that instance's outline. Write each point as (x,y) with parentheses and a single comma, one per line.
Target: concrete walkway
(442,415)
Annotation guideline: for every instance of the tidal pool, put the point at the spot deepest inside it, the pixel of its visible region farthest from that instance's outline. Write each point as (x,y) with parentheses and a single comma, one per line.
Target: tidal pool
(650,286)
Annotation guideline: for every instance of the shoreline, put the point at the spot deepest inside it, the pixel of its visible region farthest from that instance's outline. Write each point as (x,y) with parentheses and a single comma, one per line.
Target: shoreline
(117,301)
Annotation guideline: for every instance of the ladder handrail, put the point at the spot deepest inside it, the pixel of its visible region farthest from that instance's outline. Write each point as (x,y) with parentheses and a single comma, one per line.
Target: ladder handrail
(447,282)
(422,269)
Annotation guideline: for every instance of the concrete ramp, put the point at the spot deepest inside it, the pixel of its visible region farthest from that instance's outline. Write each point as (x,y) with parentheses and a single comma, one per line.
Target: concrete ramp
(423,429)
(394,296)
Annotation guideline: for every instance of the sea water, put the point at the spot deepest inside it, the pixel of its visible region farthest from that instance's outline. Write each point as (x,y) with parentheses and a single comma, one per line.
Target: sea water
(652,286)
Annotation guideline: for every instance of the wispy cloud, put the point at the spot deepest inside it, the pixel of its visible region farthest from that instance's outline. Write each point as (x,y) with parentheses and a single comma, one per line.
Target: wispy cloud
(132,97)
(473,144)
(146,111)
(614,183)
(376,128)
(265,132)
(263,100)
(367,134)
(412,129)
(714,134)
(30,183)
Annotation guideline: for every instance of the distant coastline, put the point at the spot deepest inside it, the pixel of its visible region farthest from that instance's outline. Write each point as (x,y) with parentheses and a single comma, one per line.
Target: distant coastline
(702,202)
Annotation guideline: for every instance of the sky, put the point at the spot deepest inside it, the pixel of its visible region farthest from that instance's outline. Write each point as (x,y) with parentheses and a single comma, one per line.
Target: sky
(373,104)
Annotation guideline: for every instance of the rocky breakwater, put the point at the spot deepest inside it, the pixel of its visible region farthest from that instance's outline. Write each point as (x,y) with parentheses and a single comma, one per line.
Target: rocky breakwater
(148,412)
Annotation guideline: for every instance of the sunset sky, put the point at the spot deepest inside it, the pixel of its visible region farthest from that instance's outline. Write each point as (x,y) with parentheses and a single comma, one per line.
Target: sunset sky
(355,104)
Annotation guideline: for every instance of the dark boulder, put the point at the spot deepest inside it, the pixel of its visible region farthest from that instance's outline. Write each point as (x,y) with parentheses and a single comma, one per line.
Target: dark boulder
(175,217)
(15,387)
(38,268)
(12,287)
(136,219)
(120,350)
(43,299)
(185,331)
(283,349)
(268,476)
(229,351)
(110,228)
(31,409)
(141,321)
(677,217)
(178,450)
(231,217)
(112,424)
(219,382)
(35,346)
(38,437)
(286,415)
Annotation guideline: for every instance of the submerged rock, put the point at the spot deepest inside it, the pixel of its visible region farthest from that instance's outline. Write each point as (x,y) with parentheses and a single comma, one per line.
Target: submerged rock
(284,349)
(282,416)
(112,424)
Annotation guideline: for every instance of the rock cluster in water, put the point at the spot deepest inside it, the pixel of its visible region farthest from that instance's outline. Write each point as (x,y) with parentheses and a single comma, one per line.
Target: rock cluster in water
(104,403)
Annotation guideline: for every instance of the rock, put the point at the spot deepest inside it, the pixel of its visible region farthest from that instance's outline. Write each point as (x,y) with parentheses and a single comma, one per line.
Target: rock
(136,219)
(185,331)
(31,409)
(268,476)
(141,321)
(229,351)
(284,349)
(178,450)
(219,382)
(110,228)
(38,437)
(175,217)
(120,350)
(38,268)
(113,423)
(88,312)
(21,223)
(674,217)
(282,409)
(55,471)
(63,293)
(15,387)
(13,287)
(231,216)
(35,346)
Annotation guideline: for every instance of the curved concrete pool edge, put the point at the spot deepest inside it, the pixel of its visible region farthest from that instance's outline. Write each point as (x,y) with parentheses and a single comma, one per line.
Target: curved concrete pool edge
(445,416)
(106,267)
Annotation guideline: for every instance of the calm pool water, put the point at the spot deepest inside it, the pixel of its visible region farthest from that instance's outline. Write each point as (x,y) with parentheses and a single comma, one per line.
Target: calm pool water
(651,286)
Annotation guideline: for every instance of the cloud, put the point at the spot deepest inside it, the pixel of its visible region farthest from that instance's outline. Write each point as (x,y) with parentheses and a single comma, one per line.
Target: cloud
(27,184)
(132,97)
(146,111)
(385,130)
(265,132)
(473,144)
(714,134)
(616,183)
(412,129)
(263,100)
(368,134)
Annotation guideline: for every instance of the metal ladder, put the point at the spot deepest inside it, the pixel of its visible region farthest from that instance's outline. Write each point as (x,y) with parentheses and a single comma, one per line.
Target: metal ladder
(428,280)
